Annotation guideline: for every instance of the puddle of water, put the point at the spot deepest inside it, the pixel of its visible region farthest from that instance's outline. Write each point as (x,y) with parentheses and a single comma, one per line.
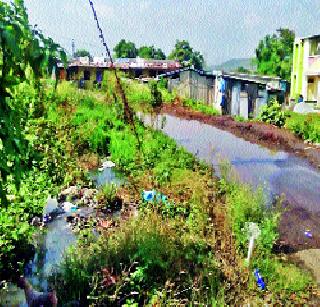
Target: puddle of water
(51,245)
(108,175)
(278,171)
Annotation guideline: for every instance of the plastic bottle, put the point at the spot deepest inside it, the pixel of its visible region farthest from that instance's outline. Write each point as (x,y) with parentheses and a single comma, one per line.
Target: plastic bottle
(259,280)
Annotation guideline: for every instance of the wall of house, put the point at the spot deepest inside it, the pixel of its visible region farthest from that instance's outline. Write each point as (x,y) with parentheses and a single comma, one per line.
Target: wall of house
(297,69)
(194,86)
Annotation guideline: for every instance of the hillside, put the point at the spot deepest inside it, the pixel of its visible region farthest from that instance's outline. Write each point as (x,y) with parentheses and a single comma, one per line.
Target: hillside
(233,64)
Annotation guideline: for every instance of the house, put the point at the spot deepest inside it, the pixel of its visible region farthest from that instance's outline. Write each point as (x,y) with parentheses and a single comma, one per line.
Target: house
(232,93)
(194,84)
(305,77)
(90,72)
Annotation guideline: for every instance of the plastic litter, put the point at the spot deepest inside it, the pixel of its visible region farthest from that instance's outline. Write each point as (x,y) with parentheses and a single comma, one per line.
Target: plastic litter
(45,218)
(254,233)
(69,207)
(154,195)
(107,164)
(259,280)
(148,195)
(308,233)
(161,197)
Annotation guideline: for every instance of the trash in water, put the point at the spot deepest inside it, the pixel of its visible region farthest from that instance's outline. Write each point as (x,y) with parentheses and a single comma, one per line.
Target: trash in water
(100,169)
(69,207)
(308,233)
(107,164)
(259,280)
(148,195)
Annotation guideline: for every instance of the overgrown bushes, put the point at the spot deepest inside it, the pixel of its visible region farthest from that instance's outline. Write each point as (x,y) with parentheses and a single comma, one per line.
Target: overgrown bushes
(200,106)
(272,114)
(305,126)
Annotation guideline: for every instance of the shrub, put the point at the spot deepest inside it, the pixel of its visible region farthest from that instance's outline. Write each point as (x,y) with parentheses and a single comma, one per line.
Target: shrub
(200,106)
(156,96)
(305,126)
(273,114)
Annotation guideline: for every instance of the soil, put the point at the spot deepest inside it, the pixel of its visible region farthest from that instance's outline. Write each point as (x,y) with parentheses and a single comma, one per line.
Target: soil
(261,133)
(309,259)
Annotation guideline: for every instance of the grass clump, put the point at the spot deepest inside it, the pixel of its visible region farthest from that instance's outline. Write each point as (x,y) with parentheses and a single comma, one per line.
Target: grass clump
(305,126)
(146,260)
(246,205)
(200,106)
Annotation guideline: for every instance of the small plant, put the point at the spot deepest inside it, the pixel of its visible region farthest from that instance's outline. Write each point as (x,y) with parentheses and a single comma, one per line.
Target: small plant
(273,114)
(156,96)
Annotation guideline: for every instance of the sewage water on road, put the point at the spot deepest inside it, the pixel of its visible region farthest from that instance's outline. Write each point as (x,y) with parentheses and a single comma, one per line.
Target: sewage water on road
(52,244)
(276,171)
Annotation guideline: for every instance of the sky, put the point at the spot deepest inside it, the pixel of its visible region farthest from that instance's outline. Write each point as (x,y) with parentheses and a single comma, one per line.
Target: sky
(219,29)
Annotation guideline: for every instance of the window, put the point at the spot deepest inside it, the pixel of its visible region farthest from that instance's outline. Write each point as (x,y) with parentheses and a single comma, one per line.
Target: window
(310,80)
(315,47)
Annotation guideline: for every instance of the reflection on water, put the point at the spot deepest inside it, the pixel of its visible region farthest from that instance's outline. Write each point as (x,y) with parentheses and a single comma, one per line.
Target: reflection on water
(278,171)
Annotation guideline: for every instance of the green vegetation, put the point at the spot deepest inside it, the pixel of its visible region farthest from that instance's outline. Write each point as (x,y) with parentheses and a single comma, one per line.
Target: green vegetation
(177,250)
(156,100)
(175,238)
(200,106)
(185,54)
(128,50)
(82,53)
(151,52)
(305,126)
(125,49)
(281,276)
(274,54)
(29,171)
(273,114)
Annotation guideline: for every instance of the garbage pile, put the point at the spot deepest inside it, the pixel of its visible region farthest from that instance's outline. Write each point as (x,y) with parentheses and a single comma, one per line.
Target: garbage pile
(106,164)
(79,196)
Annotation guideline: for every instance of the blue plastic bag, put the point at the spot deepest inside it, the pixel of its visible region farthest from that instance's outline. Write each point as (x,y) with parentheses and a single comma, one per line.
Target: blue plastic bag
(148,195)
(259,280)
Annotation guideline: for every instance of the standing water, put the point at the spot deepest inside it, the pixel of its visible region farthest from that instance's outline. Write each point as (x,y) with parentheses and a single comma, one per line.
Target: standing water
(277,172)
(51,245)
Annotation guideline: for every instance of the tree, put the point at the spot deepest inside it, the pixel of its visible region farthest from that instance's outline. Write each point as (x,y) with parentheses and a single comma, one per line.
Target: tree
(125,49)
(274,54)
(185,54)
(243,70)
(147,52)
(159,54)
(82,53)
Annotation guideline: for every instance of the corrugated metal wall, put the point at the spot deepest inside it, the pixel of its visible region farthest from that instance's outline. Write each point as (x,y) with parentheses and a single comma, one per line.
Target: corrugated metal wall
(194,86)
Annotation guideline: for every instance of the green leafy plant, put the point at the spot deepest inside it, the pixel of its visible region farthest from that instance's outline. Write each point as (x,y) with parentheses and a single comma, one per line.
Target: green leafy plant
(273,114)
(156,96)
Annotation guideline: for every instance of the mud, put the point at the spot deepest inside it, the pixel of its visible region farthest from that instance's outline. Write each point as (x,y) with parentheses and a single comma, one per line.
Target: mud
(266,135)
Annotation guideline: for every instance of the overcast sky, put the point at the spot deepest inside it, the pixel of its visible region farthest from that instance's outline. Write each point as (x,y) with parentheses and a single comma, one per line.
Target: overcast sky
(219,29)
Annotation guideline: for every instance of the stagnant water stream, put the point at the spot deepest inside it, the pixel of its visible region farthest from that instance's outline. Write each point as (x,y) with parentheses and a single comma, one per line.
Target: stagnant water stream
(52,244)
(277,171)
